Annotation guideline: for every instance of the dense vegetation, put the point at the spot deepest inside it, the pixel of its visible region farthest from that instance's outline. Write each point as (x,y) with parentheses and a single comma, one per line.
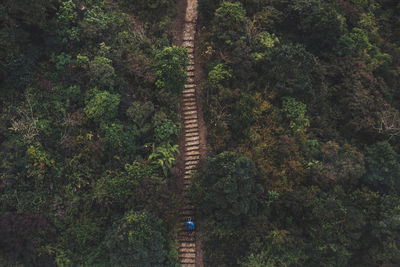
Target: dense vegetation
(88,133)
(302,103)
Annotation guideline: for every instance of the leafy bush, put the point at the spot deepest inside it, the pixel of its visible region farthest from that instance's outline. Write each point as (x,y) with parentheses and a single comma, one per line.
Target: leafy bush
(120,138)
(171,69)
(226,188)
(102,73)
(383,167)
(102,106)
(136,240)
(166,131)
(229,24)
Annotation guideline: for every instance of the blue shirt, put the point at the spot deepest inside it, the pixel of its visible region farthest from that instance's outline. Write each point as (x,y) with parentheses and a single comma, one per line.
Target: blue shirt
(189,225)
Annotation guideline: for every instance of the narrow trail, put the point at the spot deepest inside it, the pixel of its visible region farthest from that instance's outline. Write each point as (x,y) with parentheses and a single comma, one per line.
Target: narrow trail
(188,252)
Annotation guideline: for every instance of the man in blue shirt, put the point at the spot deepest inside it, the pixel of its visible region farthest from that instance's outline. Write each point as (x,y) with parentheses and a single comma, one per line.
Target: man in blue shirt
(189,225)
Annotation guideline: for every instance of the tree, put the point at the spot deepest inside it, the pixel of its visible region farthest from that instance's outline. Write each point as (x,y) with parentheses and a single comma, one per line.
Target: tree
(295,112)
(230,24)
(102,73)
(23,236)
(164,156)
(166,131)
(279,248)
(291,71)
(102,105)
(137,240)
(383,167)
(226,189)
(120,138)
(170,67)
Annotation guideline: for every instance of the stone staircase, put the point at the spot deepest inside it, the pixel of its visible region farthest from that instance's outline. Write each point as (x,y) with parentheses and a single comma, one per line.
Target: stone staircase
(191,148)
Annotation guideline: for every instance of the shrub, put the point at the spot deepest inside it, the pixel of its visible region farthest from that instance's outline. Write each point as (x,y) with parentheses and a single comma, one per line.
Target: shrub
(102,106)
(136,240)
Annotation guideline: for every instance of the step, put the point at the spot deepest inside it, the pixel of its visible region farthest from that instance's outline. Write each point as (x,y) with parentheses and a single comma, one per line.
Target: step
(191,162)
(187,212)
(187,245)
(191,125)
(191,11)
(188,172)
(190,167)
(191,148)
(188,94)
(191,61)
(192,67)
(191,55)
(190,50)
(189,100)
(187,36)
(187,250)
(193,138)
(192,153)
(189,237)
(187,260)
(190,86)
(190,74)
(188,44)
(194,142)
(190,108)
(190,80)
(190,117)
(191,130)
(192,158)
(192,134)
(187,255)
(189,112)
(190,121)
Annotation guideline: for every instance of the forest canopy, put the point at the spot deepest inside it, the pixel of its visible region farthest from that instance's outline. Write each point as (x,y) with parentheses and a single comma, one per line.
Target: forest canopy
(307,93)
(301,100)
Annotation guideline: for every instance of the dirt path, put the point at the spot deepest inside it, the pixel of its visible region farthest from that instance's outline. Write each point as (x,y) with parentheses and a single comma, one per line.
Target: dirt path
(192,141)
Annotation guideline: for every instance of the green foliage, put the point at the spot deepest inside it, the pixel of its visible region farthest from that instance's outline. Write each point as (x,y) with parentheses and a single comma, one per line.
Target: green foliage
(262,44)
(279,248)
(121,138)
(102,73)
(166,131)
(73,151)
(243,115)
(121,185)
(290,70)
(229,24)
(171,69)
(383,167)
(150,11)
(137,240)
(102,106)
(295,112)
(140,113)
(164,156)
(226,189)
(217,75)
(67,16)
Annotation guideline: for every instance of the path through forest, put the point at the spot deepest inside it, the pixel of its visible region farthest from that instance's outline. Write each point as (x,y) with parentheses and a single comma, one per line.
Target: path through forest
(192,142)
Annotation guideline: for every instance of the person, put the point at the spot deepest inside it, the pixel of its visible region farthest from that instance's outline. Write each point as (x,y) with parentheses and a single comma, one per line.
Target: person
(189,224)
